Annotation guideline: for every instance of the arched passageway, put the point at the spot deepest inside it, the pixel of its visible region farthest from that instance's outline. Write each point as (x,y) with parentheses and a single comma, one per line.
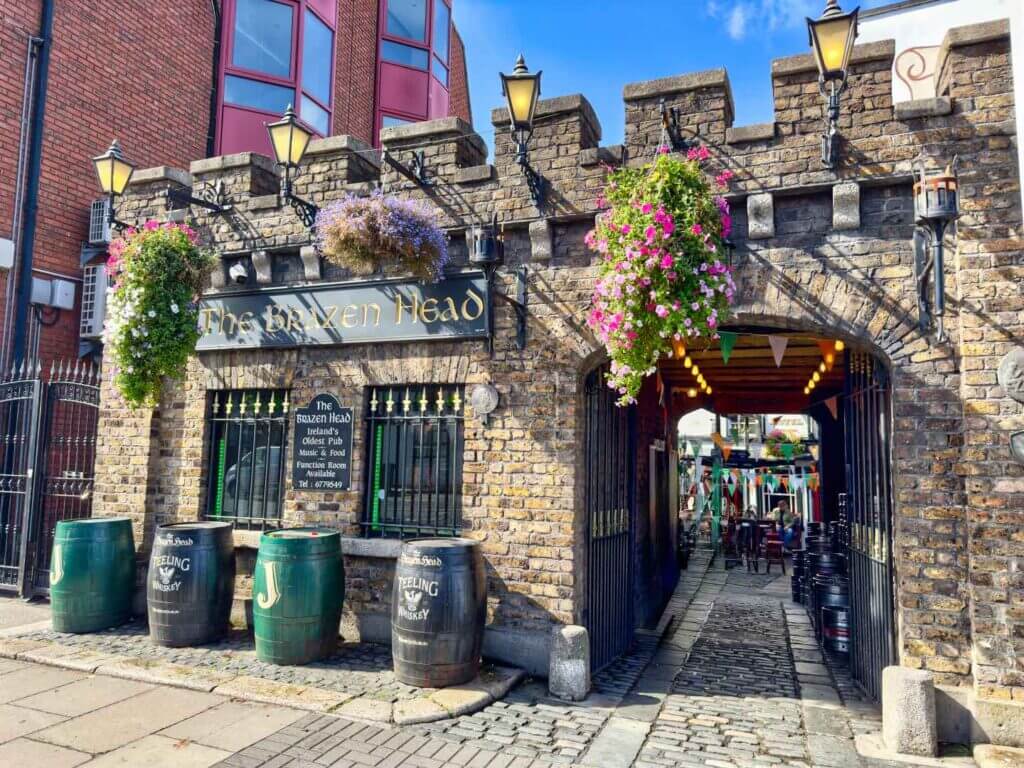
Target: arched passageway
(651,485)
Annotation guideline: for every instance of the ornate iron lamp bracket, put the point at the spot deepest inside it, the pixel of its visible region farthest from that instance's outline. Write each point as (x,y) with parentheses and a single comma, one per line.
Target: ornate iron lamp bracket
(671,136)
(208,196)
(416,171)
(828,138)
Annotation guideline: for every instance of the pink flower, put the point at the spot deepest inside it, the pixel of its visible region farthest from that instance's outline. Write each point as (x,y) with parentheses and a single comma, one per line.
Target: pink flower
(696,229)
(661,311)
(151,224)
(667,261)
(646,208)
(722,179)
(668,227)
(626,229)
(650,233)
(663,150)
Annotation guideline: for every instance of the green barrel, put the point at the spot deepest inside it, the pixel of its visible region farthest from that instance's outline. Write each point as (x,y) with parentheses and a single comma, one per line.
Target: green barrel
(297,594)
(92,574)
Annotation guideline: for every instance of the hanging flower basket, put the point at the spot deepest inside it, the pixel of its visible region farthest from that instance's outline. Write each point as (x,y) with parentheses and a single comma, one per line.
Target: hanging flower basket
(152,321)
(779,444)
(663,277)
(367,234)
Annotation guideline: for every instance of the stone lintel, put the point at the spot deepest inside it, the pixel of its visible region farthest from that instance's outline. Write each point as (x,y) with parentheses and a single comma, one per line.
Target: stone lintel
(969,34)
(161,173)
(541,240)
(614,154)
(804,62)
(474,174)
(548,108)
(846,205)
(223,163)
(747,133)
(428,131)
(937,106)
(760,216)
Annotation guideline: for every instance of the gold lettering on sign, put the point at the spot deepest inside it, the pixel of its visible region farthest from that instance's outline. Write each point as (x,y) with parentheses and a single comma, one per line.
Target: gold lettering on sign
(295,319)
(349,316)
(450,312)
(475,303)
(376,315)
(401,306)
(430,305)
(206,319)
(245,322)
(274,319)
(329,313)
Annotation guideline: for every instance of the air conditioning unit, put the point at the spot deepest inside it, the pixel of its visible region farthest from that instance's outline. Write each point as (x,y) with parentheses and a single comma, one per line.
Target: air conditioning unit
(94,300)
(99,226)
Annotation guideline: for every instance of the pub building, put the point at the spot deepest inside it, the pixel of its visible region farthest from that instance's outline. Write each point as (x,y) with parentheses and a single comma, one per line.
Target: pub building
(389,408)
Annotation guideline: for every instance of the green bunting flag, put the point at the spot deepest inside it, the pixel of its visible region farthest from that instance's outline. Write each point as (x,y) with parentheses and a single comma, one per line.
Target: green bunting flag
(727,340)
(787,450)
(772,481)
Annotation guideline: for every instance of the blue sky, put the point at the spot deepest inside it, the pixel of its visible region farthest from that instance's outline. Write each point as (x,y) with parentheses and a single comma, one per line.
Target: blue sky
(595,47)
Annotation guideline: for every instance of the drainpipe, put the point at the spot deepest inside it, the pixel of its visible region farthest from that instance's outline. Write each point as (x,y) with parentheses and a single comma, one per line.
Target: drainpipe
(35,158)
(211,133)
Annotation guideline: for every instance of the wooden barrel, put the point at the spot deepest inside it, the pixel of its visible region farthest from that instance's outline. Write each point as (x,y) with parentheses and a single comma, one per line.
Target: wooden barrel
(298,590)
(438,609)
(92,574)
(191,583)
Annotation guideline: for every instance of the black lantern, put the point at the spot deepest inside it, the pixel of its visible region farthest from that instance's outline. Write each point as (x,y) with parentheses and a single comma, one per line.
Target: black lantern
(831,38)
(114,173)
(487,251)
(936,205)
(522,93)
(290,139)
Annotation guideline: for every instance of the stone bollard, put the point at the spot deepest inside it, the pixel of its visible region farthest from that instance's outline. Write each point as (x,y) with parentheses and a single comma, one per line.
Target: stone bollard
(569,670)
(908,712)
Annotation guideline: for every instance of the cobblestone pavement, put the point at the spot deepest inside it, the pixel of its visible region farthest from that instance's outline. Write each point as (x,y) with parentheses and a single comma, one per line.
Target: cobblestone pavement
(359,669)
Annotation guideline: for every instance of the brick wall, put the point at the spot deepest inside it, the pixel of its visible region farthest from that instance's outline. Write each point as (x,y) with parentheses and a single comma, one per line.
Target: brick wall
(459,105)
(808,259)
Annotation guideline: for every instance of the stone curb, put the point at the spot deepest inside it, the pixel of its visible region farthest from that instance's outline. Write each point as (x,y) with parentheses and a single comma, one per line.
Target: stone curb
(443,704)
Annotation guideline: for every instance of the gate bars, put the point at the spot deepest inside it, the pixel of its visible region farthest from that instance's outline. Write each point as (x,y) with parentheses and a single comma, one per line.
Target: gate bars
(610,477)
(869,504)
(47,457)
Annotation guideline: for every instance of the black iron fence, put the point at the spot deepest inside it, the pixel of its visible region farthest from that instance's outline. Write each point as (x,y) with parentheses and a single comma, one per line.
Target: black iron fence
(414,471)
(47,455)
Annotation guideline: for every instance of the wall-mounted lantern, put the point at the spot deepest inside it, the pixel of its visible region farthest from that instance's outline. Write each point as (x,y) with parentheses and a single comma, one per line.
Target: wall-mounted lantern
(831,38)
(114,173)
(522,92)
(290,139)
(487,251)
(936,205)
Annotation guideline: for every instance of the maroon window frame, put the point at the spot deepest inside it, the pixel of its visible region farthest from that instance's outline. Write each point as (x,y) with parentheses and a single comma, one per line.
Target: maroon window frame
(294,81)
(424,45)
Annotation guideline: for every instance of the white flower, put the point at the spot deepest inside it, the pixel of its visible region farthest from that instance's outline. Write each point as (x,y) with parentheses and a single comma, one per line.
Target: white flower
(174,308)
(152,313)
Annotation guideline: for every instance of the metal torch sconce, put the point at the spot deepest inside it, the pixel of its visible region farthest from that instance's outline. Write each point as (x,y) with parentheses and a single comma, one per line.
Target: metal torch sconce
(831,37)
(522,92)
(936,206)
(487,251)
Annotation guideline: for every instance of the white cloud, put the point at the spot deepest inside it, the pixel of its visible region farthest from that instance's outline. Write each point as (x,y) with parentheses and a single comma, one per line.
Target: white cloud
(766,15)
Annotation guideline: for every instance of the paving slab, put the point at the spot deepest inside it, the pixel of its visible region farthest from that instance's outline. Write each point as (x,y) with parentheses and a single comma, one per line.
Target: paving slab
(78,659)
(32,680)
(17,721)
(161,752)
(233,725)
(27,753)
(991,756)
(83,696)
(286,694)
(417,711)
(9,665)
(116,725)
(618,744)
(872,746)
(15,612)
(164,673)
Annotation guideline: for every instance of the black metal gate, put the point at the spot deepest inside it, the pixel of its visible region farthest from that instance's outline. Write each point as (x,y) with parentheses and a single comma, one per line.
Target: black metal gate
(610,477)
(47,456)
(868,421)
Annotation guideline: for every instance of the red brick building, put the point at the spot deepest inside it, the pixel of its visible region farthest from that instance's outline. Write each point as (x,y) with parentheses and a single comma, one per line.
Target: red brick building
(173,82)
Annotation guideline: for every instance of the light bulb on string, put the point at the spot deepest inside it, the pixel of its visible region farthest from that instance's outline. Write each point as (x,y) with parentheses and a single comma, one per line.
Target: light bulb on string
(816,376)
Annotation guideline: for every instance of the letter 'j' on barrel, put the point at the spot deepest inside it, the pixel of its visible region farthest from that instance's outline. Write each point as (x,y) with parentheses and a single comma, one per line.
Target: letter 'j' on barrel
(438,610)
(92,574)
(298,590)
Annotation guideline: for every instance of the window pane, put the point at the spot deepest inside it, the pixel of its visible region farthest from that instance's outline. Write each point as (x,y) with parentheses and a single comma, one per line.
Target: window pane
(252,93)
(389,121)
(317,117)
(263,37)
(440,71)
(408,19)
(403,54)
(442,21)
(317,47)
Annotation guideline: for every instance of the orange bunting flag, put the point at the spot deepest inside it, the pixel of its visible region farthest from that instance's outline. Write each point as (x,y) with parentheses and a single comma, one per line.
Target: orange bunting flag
(726,450)
(833,406)
(716,438)
(784,480)
(759,480)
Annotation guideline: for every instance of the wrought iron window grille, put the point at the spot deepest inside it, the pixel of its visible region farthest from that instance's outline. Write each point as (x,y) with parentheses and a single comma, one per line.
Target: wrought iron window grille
(415,444)
(248,432)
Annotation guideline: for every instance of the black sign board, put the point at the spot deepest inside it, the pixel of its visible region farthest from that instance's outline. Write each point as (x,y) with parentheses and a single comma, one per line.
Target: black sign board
(322,453)
(356,312)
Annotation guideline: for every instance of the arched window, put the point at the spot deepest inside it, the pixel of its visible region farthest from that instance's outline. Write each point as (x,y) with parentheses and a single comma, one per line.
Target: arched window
(274,53)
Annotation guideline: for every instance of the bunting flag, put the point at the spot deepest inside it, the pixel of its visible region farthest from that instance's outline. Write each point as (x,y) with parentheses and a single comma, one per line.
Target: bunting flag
(726,451)
(731,482)
(814,451)
(797,482)
(784,481)
(787,450)
(758,479)
(778,345)
(812,482)
(772,481)
(832,404)
(716,438)
(716,473)
(726,340)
